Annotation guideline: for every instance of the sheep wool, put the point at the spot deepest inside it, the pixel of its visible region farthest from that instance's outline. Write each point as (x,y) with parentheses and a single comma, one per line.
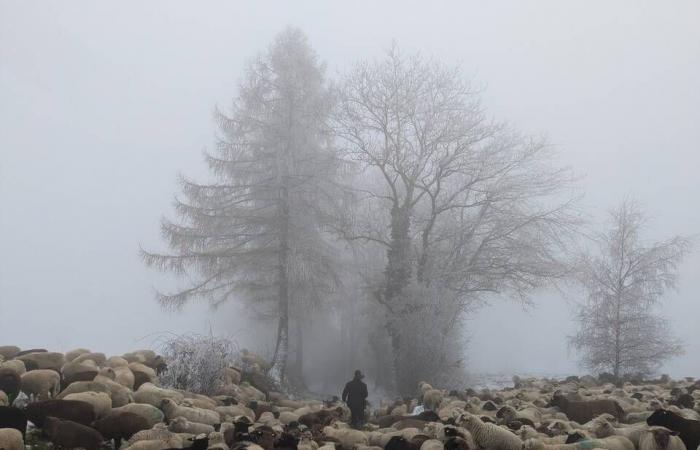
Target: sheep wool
(660,438)
(11,439)
(489,435)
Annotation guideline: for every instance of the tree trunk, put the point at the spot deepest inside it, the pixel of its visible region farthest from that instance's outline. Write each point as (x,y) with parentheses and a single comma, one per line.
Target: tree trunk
(398,274)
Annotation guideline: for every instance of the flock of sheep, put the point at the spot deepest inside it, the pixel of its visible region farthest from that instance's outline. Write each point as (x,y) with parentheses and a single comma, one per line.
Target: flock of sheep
(82,399)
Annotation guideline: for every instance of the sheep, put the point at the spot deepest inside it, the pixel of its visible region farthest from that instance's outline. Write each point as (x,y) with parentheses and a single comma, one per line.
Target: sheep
(14,364)
(78,371)
(688,430)
(347,437)
(119,394)
(149,412)
(41,383)
(120,426)
(73,410)
(197,400)
(608,443)
(68,434)
(488,435)
(11,417)
(584,411)
(231,376)
(158,431)
(101,402)
(142,374)
(603,428)
(4,399)
(116,361)
(457,443)
(10,382)
(72,354)
(240,410)
(182,425)
(431,444)
(44,360)
(98,358)
(432,398)
(153,395)
(124,376)
(9,351)
(11,439)
(83,386)
(174,442)
(660,438)
(172,410)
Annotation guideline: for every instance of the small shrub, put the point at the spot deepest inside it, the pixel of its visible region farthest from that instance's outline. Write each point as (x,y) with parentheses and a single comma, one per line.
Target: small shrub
(196,362)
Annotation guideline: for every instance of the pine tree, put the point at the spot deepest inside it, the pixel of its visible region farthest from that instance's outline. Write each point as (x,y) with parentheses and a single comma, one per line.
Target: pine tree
(256,233)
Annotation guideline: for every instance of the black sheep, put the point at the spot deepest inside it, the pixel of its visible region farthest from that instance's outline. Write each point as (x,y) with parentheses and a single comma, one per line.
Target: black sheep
(397,443)
(11,417)
(74,410)
(69,434)
(120,426)
(456,443)
(286,442)
(574,437)
(585,410)
(10,382)
(689,430)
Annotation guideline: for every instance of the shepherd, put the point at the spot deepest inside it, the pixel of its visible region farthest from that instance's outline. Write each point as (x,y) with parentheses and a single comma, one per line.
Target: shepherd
(355,395)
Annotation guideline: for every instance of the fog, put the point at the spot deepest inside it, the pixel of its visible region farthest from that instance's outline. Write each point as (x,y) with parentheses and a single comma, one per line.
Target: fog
(102,104)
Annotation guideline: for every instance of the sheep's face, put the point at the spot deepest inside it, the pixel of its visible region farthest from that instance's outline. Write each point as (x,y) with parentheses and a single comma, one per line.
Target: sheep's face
(660,417)
(602,428)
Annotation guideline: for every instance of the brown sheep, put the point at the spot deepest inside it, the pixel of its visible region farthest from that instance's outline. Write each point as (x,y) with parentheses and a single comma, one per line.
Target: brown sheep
(9,351)
(73,410)
(120,426)
(68,434)
(586,410)
(44,360)
(41,383)
(10,382)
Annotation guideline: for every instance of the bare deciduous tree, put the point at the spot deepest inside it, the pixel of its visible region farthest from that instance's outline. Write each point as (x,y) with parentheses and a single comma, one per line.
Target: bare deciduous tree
(256,233)
(620,330)
(461,205)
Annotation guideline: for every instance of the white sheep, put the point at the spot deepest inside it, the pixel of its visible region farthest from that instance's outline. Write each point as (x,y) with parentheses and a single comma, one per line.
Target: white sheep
(602,428)
(72,354)
(347,437)
(153,395)
(42,384)
(489,436)
(16,365)
(608,443)
(101,402)
(182,425)
(431,444)
(11,439)
(660,438)
(149,412)
(200,415)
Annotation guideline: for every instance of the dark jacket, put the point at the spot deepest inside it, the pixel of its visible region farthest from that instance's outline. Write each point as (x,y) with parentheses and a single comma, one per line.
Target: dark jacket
(355,394)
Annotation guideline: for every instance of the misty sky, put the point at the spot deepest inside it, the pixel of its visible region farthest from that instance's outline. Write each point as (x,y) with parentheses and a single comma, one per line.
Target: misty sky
(103,103)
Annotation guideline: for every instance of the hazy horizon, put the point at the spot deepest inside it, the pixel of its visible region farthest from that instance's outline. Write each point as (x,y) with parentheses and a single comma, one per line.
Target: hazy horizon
(103,104)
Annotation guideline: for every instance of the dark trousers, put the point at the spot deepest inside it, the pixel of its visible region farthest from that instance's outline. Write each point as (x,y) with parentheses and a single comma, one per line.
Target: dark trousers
(357,417)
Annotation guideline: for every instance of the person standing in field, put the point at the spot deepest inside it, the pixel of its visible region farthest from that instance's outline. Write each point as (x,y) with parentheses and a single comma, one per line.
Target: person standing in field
(355,396)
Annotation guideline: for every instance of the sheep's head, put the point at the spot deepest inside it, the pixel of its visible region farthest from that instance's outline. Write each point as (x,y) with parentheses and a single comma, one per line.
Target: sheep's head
(602,428)
(661,417)
(507,413)
(660,435)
